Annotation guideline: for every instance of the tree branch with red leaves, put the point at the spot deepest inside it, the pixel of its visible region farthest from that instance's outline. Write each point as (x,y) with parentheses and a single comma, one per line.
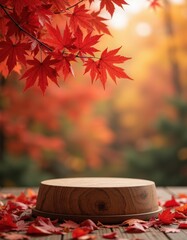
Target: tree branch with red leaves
(44,48)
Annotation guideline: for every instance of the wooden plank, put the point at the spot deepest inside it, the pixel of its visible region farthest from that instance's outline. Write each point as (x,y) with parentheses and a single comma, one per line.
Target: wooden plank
(177,190)
(150,234)
(178,236)
(163,194)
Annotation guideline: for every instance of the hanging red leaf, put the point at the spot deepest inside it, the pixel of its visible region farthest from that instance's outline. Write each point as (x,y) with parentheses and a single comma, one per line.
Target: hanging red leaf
(59,41)
(154,4)
(64,63)
(80,17)
(13,52)
(85,45)
(106,65)
(110,5)
(167,217)
(19,5)
(98,23)
(41,71)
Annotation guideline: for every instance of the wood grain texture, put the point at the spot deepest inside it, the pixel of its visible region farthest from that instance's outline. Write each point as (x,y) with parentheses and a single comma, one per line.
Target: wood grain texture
(97,196)
(151,234)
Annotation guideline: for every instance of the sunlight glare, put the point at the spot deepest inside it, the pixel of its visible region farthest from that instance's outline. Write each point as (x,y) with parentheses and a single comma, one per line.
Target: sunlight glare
(119,19)
(177,1)
(143,29)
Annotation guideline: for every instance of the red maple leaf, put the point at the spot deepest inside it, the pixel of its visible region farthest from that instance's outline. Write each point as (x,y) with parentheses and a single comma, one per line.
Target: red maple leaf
(154,4)
(79,232)
(98,23)
(64,63)
(135,228)
(180,215)
(80,17)
(132,221)
(41,71)
(19,5)
(171,203)
(182,225)
(14,236)
(69,224)
(27,21)
(86,45)
(7,223)
(167,217)
(182,209)
(89,224)
(106,65)
(13,52)
(43,225)
(57,40)
(110,5)
(111,235)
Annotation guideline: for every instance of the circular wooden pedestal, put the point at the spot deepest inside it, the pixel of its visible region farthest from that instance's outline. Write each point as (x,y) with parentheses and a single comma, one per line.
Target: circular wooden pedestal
(108,200)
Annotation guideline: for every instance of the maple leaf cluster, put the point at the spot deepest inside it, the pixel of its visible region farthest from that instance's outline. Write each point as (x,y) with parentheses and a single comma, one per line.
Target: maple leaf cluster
(44,48)
(16,217)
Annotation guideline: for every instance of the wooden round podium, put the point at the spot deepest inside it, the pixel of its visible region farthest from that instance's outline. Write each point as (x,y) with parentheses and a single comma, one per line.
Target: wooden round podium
(108,200)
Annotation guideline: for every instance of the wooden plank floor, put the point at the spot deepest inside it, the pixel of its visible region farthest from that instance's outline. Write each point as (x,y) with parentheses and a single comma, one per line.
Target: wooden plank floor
(150,234)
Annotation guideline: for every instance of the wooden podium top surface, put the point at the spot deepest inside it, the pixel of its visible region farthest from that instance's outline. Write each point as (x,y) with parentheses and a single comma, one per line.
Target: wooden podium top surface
(97,182)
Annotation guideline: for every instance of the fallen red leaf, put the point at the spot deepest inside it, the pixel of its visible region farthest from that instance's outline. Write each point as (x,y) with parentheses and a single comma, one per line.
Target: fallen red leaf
(182,225)
(182,209)
(180,215)
(111,235)
(132,221)
(135,228)
(89,224)
(14,236)
(171,203)
(69,224)
(7,223)
(79,232)
(43,225)
(167,217)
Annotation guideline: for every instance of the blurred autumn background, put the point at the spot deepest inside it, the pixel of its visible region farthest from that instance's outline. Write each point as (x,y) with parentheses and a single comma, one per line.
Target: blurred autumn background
(134,129)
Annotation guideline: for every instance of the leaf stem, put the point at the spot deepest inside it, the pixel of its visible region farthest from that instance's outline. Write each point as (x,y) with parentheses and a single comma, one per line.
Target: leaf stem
(58,12)
(23,30)
(4,8)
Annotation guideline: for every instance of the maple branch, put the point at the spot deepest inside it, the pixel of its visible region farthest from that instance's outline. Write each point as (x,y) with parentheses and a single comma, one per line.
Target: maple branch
(23,30)
(69,7)
(77,56)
